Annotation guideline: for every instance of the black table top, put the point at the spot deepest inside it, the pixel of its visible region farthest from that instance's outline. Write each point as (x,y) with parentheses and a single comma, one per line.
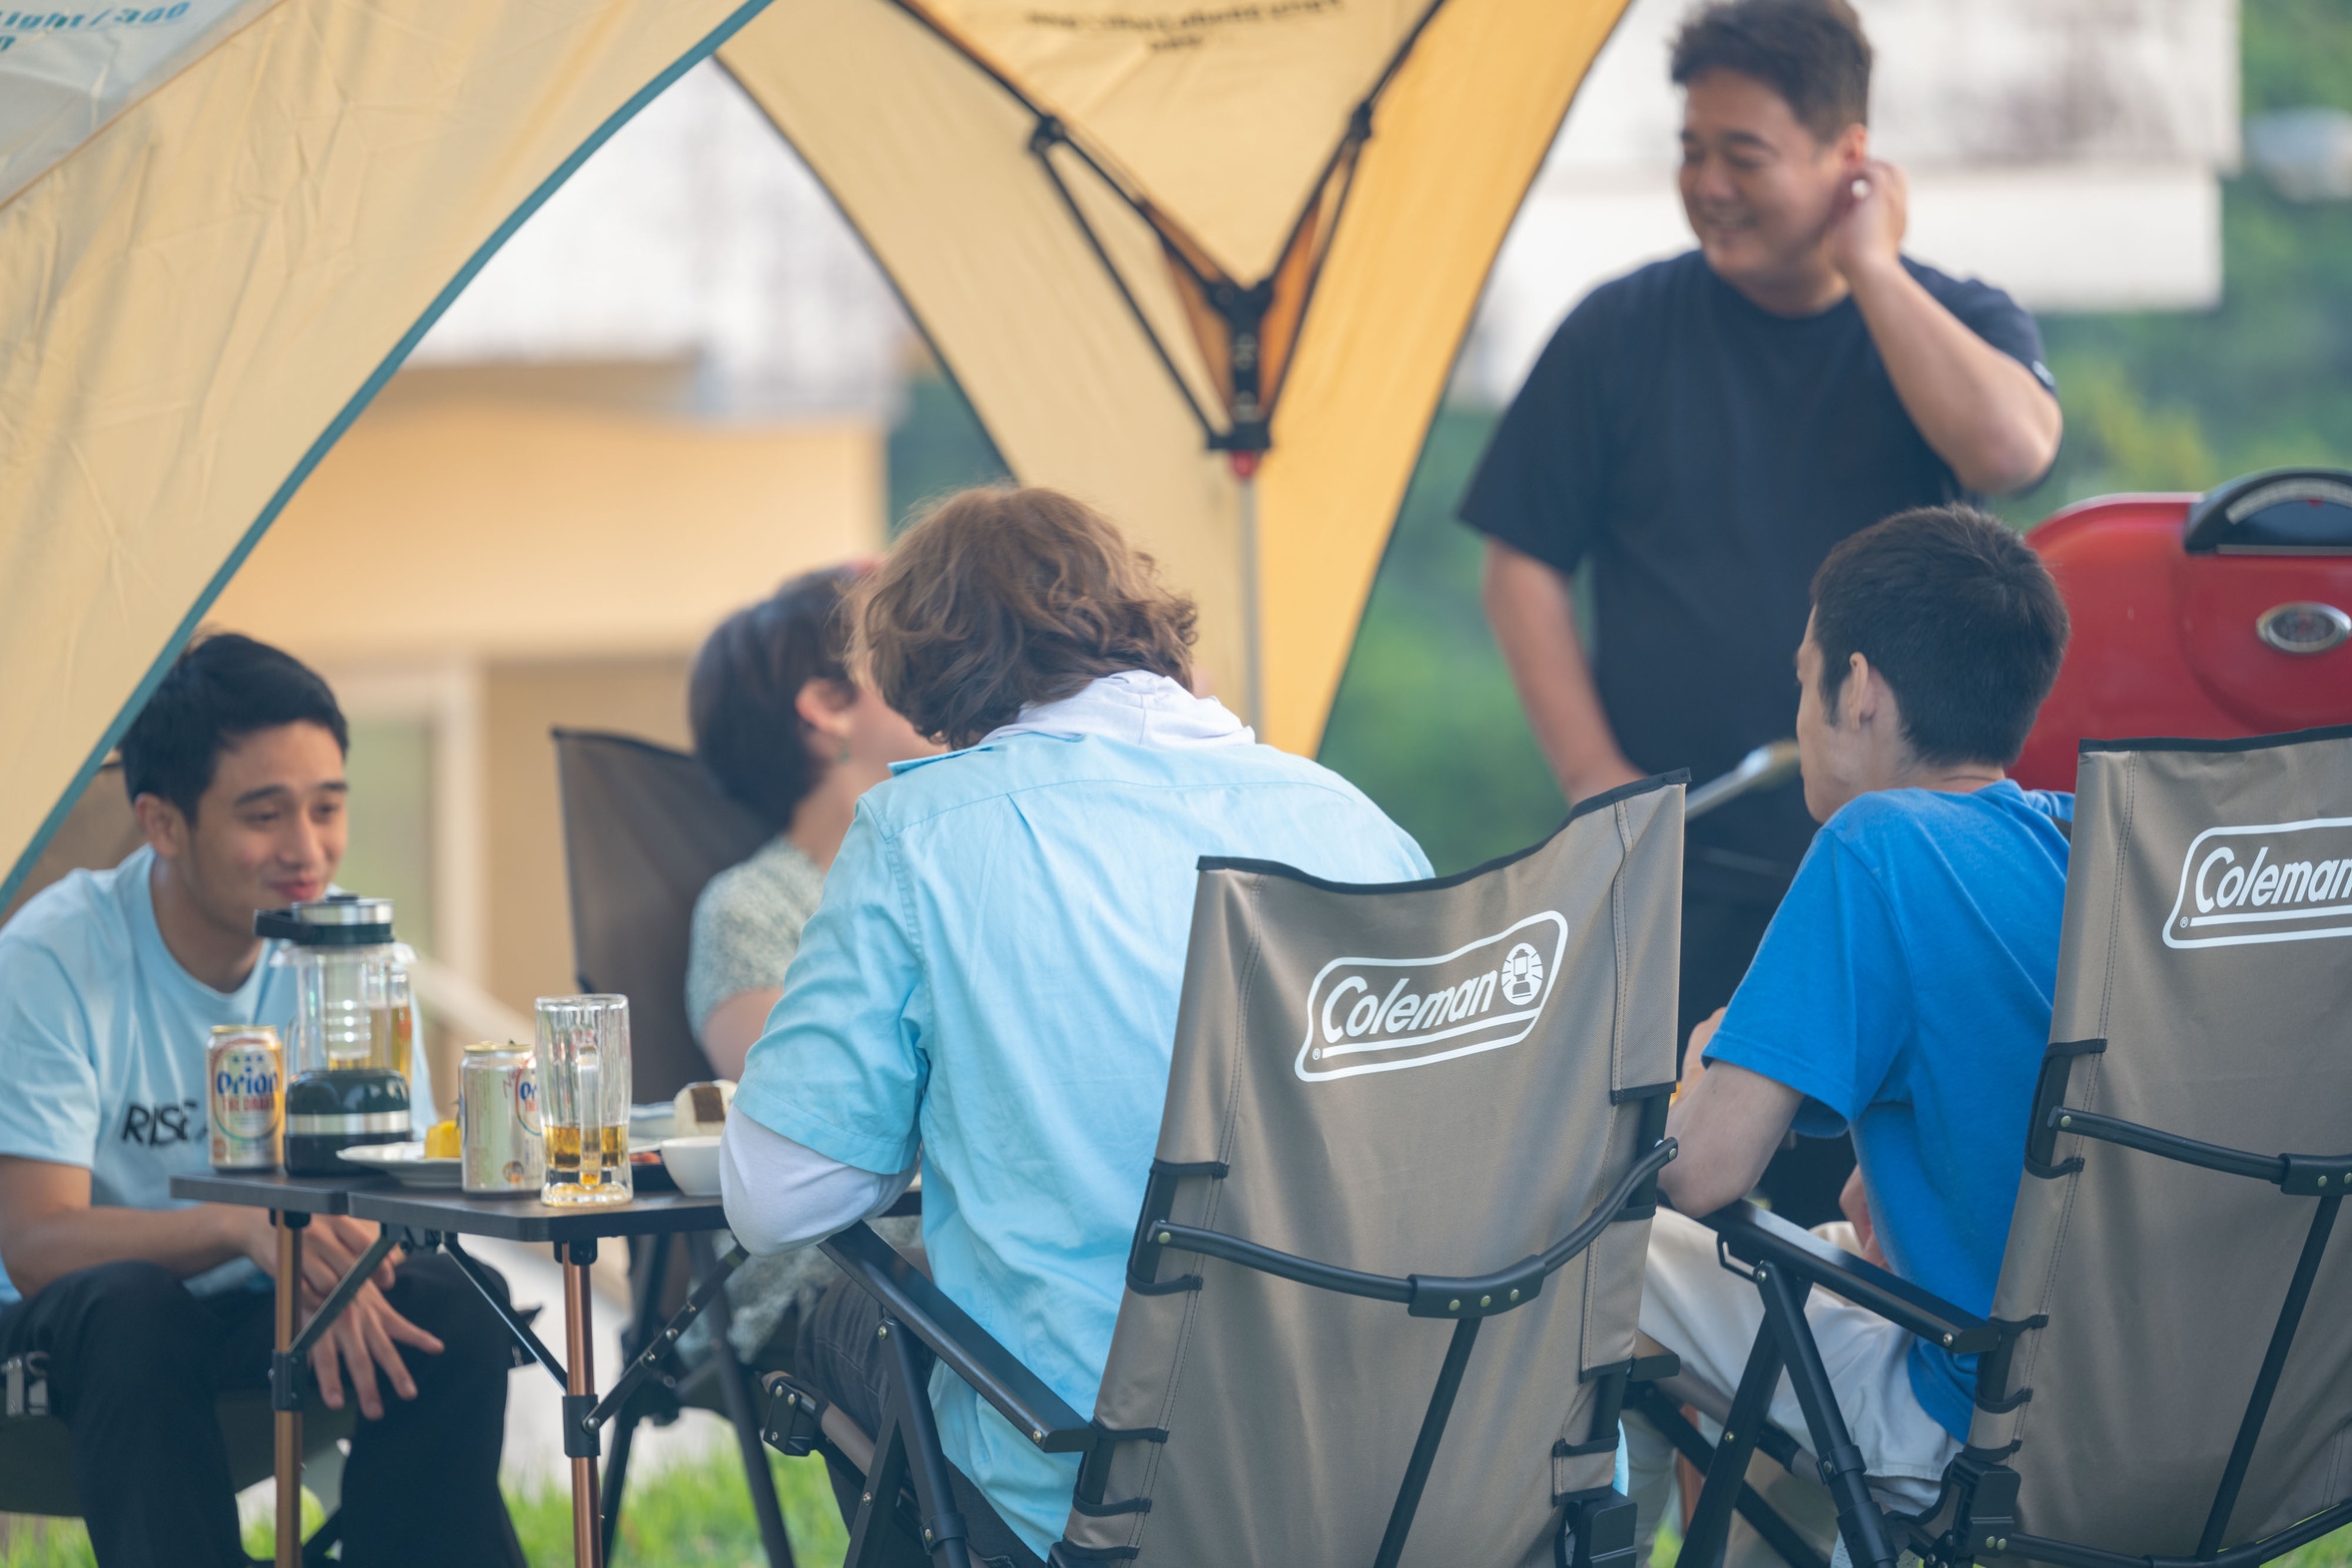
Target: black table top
(525,1220)
(275,1190)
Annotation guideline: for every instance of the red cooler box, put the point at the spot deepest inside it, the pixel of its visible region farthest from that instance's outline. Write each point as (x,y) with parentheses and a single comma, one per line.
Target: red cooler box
(2214,616)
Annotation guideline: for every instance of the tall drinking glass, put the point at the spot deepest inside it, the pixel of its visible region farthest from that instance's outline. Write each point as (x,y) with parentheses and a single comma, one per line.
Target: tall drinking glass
(582,1058)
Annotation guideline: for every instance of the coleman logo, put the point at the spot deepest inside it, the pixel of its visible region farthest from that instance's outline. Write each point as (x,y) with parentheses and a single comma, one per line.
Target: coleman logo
(2282,882)
(1377,1015)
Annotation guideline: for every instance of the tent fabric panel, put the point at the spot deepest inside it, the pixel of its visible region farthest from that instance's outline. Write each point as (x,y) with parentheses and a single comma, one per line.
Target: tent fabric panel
(929,157)
(201,287)
(1150,275)
(1221,115)
(65,74)
(1456,140)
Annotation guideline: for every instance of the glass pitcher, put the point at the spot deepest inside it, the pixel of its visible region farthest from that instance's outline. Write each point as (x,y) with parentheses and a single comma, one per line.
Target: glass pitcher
(354,1028)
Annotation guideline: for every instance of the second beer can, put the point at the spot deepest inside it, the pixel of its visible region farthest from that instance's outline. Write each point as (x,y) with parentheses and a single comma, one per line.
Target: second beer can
(244,1096)
(499,1143)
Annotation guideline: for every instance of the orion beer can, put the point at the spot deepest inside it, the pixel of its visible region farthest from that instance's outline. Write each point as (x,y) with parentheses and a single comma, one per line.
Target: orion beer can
(244,1096)
(499,1141)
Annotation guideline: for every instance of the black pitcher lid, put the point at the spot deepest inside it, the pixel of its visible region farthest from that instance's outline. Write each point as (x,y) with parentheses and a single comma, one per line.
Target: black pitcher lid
(338,921)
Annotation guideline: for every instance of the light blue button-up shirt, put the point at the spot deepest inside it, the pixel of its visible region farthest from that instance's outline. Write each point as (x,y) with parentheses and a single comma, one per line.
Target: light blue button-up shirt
(994,975)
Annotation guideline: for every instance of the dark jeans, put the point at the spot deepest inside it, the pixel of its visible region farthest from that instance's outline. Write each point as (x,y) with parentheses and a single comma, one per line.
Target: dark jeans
(1719,940)
(840,1356)
(135,1361)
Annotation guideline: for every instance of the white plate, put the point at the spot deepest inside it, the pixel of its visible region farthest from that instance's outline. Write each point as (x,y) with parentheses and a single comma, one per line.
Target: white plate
(406,1162)
(650,1124)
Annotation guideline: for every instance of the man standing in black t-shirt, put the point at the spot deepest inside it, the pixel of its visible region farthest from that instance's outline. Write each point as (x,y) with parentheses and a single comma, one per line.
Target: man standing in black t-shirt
(1701,431)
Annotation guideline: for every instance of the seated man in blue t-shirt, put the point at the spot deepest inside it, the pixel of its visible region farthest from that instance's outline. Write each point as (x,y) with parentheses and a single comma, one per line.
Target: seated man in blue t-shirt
(1903,989)
(110,983)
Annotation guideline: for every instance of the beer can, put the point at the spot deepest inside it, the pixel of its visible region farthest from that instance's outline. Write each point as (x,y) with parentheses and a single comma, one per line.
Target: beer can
(244,1096)
(499,1141)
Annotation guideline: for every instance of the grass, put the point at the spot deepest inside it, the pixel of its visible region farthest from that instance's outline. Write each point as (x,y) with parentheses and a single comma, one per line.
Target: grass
(697,1515)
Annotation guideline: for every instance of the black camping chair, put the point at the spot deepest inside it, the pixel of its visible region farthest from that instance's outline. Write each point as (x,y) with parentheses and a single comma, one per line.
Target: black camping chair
(1264,1283)
(2151,1391)
(644,829)
(36,1471)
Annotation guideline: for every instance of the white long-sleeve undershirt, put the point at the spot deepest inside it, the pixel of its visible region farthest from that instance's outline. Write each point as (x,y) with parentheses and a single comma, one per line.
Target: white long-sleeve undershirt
(782,1195)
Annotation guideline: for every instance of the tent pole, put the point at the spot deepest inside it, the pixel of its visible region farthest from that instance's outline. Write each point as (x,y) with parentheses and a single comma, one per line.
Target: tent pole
(1253,632)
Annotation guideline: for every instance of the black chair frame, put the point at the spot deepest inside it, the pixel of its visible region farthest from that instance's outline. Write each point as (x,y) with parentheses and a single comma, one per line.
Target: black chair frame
(921,1326)
(657,1384)
(1974,1513)
(637,1394)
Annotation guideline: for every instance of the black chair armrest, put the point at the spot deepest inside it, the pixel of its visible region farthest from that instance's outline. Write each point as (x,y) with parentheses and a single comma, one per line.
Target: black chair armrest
(1755,1235)
(947,1332)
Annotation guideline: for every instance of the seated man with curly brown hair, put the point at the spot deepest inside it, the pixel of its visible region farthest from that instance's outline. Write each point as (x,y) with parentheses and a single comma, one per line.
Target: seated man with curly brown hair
(993,972)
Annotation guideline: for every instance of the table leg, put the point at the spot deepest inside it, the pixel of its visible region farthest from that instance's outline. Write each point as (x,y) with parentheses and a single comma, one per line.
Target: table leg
(289,1456)
(580,1384)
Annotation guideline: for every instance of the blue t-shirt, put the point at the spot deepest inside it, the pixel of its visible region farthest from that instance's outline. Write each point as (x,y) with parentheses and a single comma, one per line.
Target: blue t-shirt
(993,971)
(1700,455)
(1904,988)
(102,1044)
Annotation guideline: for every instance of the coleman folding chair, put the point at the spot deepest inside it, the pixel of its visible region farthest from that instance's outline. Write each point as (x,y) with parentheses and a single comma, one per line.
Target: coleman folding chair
(1392,1110)
(2165,1380)
(644,829)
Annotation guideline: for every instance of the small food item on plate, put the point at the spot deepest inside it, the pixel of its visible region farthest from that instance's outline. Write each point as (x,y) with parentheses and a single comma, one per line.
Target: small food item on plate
(440,1141)
(702,1108)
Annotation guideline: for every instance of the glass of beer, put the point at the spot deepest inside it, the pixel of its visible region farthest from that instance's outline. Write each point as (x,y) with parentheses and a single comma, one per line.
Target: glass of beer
(581,1058)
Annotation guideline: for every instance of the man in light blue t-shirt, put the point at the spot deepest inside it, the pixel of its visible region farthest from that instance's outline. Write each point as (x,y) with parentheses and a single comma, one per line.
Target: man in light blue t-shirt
(110,984)
(1903,989)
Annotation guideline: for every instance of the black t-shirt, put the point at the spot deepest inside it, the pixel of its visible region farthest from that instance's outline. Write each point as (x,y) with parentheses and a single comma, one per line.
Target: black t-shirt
(1705,454)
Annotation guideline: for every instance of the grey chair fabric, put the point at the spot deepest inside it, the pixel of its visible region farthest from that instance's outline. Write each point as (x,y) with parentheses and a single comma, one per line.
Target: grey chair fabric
(643,829)
(2222,994)
(1437,1078)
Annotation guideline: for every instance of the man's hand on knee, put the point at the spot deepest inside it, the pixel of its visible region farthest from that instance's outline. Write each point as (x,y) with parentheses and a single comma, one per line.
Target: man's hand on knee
(367,1336)
(333,1244)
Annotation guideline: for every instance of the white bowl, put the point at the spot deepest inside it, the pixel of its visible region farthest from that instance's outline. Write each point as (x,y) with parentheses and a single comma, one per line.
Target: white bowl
(693,1163)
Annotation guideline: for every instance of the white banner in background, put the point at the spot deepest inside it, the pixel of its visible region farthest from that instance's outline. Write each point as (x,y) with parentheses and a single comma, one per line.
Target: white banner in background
(65,71)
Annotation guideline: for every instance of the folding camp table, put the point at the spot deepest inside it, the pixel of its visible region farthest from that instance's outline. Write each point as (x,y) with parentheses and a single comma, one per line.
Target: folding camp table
(425,1219)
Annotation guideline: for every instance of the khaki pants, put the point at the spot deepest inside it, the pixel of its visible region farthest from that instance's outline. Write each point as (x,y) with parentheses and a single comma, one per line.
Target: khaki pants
(1710,1318)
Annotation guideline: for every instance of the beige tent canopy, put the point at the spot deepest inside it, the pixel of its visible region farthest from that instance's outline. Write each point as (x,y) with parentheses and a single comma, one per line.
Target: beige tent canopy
(1205,263)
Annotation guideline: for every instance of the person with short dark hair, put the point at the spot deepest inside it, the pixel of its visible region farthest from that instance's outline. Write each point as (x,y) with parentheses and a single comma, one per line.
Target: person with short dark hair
(993,974)
(784,729)
(110,983)
(1903,990)
(1699,433)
